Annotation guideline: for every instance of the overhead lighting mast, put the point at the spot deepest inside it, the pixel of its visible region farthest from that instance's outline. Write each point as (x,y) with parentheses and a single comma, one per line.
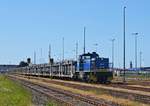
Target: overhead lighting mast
(112,40)
(84,40)
(34,57)
(76,50)
(63,48)
(140,59)
(124,42)
(49,53)
(136,34)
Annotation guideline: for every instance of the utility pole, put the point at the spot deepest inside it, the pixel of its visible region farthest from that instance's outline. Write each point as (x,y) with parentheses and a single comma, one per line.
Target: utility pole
(84,40)
(41,52)
(124,42)
(112,40)
(136,34)
(50,62)
(34,57)
(76,50)
(49,54)
(41,60)
(140,59)
(63,49)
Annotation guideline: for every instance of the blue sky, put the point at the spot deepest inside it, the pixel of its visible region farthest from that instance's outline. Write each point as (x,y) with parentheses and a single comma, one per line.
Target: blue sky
(29,25)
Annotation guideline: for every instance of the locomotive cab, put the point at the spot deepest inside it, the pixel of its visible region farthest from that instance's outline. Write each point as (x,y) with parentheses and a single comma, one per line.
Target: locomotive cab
(92,68)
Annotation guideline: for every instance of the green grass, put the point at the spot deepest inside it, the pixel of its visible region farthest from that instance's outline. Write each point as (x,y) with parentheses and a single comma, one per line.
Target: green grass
(13,94)
(51,103)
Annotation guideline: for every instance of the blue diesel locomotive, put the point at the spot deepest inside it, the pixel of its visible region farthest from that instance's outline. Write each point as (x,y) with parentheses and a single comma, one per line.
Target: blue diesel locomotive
(89,67)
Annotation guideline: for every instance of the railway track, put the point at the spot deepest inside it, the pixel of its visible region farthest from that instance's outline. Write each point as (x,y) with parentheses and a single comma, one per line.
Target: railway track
(132,93)
(129,86)
(144,98)
(142,83)
(62,96)
(134,82)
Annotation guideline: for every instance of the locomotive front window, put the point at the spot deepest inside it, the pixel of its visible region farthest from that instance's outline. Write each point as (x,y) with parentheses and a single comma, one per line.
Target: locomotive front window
(87,57)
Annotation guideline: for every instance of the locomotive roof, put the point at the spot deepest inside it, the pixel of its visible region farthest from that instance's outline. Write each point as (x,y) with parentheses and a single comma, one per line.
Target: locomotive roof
(93,54)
